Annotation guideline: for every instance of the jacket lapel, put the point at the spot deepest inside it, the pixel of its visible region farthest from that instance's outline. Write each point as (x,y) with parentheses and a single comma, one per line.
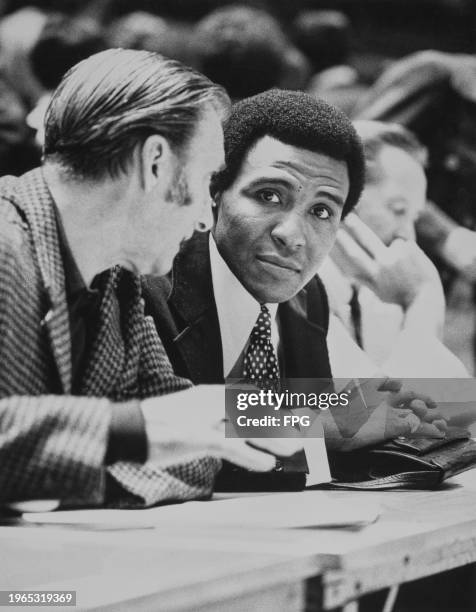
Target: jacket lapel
(303,348)
(37,204)
(199,343)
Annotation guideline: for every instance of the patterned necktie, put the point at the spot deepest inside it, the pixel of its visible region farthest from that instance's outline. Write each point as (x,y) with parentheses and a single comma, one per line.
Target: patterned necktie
(260,364)
(261,369)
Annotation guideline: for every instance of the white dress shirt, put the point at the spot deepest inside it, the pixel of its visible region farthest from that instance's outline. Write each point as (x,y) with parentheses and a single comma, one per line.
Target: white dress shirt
(388,347)
(237,311)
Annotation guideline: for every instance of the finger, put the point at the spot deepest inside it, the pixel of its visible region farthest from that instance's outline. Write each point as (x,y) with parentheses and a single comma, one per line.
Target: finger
(400,413)
(350,254)
(424,413)
(408,428)
(403,415)
(352,246)
(441,424)
(428,430)
(413,421)
(419,408)
(406,397)
(364,236)
(403,422)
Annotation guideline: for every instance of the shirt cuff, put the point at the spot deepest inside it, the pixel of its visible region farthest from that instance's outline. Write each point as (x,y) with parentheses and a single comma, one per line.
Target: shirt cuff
(127,437)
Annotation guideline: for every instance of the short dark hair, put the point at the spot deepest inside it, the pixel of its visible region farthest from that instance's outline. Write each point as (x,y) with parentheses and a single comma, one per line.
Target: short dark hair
(297,119)
(242,48)
(111,102)
(377,134)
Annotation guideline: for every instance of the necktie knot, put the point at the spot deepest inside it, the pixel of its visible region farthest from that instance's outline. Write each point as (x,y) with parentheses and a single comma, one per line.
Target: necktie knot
(262,327)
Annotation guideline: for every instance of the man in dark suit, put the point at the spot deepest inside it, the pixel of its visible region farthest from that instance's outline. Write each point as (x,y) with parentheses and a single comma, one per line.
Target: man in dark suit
(278,206)
(246,301)
(131,140)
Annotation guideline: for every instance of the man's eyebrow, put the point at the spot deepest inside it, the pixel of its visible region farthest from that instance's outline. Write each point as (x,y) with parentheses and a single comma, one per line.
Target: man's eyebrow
(332,196)
(274,180)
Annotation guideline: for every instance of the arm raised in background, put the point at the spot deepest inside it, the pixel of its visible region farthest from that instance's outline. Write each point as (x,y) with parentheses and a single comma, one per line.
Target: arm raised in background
(400,273)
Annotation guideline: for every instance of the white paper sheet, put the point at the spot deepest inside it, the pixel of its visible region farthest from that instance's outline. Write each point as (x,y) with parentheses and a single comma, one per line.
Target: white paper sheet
(288,510)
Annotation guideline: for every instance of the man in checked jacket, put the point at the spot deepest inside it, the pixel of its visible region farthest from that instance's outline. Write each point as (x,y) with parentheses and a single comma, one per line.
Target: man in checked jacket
(131,142)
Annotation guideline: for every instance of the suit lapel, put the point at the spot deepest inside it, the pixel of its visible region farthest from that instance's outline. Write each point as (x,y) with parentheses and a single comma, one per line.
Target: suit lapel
(37,204)
(303,350)
(199,343)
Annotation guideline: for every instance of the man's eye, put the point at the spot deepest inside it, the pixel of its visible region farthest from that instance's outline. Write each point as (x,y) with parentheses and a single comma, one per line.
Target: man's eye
(398,208)
(321,212)
(268,196)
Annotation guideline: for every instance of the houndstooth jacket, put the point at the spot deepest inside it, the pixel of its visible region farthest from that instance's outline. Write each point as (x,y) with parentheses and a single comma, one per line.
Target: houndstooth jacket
(52,444)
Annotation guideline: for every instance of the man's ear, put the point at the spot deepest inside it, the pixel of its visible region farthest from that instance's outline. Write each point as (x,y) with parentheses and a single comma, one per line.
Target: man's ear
(156,161)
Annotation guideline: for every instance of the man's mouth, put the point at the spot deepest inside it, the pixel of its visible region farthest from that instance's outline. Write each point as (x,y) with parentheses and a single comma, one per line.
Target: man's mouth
(280,262)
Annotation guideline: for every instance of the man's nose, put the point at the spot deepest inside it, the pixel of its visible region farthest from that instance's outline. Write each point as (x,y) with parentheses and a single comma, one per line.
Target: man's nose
(205,220)
(406,230)
(289,232)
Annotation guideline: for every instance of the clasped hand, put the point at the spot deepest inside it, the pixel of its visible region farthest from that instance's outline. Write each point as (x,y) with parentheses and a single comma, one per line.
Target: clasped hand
(381,410)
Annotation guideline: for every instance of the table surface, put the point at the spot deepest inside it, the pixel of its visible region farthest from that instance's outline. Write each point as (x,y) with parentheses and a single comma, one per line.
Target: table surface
(185,565)
(419,533)
(142,570)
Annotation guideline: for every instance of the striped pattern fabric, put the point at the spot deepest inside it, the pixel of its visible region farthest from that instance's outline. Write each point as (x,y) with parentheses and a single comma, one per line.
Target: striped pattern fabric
(52,444)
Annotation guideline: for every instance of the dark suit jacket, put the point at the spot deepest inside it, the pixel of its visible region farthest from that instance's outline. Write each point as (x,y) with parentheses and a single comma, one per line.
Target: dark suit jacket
(184,310)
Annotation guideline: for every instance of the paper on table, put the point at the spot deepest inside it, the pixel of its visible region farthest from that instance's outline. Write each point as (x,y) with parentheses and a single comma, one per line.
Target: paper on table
(304,509)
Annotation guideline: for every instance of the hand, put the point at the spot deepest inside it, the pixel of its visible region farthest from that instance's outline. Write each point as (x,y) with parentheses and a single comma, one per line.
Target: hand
(191,423)
(413,415)
(379,410)
(459,251)
(396,274)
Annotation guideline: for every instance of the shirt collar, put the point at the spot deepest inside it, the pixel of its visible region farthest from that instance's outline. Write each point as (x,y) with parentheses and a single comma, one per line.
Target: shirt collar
(237,309)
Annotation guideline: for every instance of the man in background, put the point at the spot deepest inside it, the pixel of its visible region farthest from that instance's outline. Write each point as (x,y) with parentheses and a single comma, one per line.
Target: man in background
(382,288)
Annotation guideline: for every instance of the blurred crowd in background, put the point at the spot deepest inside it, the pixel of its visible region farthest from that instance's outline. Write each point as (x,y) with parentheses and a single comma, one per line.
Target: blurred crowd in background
(409,63)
